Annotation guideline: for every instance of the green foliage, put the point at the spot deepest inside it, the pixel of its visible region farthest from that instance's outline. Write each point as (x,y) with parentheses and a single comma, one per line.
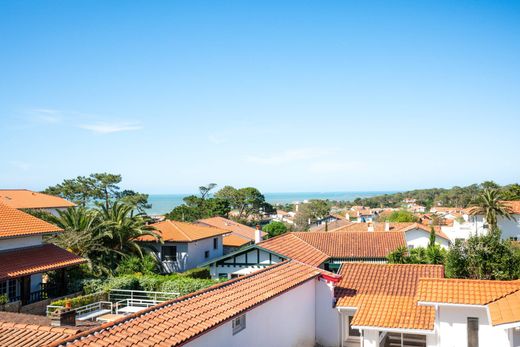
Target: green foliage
(402,216)
(249,202)
(3,299)
(275,228)
(433,254)
(489,203)
(81,300)
(185,285)
(132,264)
(199,272)
(311,211)
(200,207)
(484,257)
(398,256)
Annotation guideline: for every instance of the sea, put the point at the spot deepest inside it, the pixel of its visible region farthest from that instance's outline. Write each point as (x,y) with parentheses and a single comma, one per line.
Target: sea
(164,203)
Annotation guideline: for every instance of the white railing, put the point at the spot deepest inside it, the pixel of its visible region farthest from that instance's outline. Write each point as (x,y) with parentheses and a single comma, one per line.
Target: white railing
(116,295)
(133,305)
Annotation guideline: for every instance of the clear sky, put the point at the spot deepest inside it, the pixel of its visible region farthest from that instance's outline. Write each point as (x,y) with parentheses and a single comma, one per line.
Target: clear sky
(280,95)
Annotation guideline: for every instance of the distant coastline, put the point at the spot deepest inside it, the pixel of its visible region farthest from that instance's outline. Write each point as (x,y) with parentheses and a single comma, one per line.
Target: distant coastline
(163,203)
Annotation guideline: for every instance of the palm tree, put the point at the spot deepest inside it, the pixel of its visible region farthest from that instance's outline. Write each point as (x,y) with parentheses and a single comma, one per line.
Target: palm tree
(122,229)
(81,236)
(489,204)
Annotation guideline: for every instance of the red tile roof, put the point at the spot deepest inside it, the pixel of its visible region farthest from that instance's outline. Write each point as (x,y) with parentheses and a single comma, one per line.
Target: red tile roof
(235,241)
(227,224)
(23,198)
(505,310)
(377,227)
(314,248)
(175,231)
(178,321)
(384,294)
(27,261)
(22,335)
(14,223)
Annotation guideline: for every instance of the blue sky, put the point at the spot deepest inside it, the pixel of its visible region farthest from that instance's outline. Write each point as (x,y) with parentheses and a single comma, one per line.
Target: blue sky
(281,95)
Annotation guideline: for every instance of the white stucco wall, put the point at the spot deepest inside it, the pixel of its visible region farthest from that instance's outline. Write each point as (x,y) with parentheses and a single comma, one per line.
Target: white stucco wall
(421,238)
(327,316)
(475,226)
(453,328)
(285,321)
(250,262)
(19,242)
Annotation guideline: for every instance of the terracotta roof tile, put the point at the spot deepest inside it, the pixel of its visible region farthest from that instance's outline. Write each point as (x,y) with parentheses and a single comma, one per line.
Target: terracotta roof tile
(175,231)
(464,291)
(227,224)
(377,227)
(505,310)
(15,223)
(331,225)
(235,241)
(294,247)
(182,319)
(14,335)
(31,260)
(384,294)
(23,198)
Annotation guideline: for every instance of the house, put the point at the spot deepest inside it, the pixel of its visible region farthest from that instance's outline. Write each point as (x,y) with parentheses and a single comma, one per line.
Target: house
(330,225)
(477,225)
(185,245)
(283,216)
(326,250)
(240,235)
(27,199)
(287,304)
(24,258)
(417,234)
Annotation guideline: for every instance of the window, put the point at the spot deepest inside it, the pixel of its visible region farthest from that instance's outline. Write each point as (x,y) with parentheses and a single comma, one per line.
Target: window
(472,332)
(206,254)
(352,332)
(513,238)
(222,275)
(3,287)
(215,243)
(169,253)
(239,324)
(12,289)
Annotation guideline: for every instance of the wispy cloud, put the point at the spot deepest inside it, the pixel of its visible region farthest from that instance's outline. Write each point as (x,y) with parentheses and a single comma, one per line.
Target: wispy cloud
(290,155)
(112,127)
(46,115)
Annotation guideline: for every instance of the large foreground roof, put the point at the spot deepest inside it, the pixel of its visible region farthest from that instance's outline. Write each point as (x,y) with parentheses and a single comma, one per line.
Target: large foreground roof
(22,335)
(384,295)
(178,321)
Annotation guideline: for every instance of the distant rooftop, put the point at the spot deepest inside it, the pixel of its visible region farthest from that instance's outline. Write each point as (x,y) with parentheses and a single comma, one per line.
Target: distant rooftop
(23,198)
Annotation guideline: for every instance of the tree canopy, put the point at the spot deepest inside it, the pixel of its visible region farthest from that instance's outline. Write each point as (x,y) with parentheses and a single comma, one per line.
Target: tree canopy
(401,216)
(275,228)
(310,212)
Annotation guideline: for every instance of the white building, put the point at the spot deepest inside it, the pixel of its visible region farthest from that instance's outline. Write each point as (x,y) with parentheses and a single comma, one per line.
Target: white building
(185,245)
(477,225)
(27,199)
(24,257)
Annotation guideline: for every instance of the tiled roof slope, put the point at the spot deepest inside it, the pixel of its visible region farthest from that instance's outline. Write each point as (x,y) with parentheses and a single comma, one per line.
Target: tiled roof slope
(355,244)
(22,335)
(505,310)
(31,260)
(175,231)
(294,247)
(384,294)
(178,321)
(464,291)
(227,224)
(15,223)
(23,198)
(235,241)
(331,225)
(377,227)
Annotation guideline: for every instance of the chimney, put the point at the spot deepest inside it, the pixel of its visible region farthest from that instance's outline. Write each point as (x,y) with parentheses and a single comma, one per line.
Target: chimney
(370,227)
(258,234)
(387,226)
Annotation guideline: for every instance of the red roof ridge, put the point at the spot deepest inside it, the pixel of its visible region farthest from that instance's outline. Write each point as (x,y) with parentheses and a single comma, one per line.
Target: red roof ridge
(178,228)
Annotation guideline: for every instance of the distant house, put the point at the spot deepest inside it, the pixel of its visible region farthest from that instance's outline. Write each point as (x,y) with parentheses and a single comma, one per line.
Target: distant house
(186,245)
(330,225)
(327,250)
(26,199)
(417,234)
(477,224)
(24,258)
(283,216)
(240,235)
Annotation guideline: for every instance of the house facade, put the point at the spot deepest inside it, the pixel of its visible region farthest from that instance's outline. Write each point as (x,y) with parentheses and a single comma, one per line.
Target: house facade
(185,245)
(24,257)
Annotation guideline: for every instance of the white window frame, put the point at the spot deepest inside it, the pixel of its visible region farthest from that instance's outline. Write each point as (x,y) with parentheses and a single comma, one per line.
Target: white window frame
(238,324)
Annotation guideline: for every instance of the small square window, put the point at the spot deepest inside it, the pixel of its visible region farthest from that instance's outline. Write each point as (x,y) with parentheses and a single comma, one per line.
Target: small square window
(169,253)
(239,324)
(223,275)
(206,254)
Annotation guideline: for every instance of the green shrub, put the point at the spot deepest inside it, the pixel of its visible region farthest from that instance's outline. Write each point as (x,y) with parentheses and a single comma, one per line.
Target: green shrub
(81,300)
(122,282)
(3,299)
(132,264)
(185,285)
(151,283)
(200,273)
(92,285)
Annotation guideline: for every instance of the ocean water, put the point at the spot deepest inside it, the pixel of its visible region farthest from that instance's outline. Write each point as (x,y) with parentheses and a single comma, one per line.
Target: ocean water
(163,203)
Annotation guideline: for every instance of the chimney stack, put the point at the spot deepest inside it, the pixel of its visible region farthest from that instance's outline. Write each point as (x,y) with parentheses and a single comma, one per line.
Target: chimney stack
(387,226)
(258,234)
(370,227)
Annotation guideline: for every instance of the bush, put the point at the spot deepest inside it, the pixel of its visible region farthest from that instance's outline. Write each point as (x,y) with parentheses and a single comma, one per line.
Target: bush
(275,228)
(92,285)
(185,285)
(200,273)
(3,299)
(150,283)
(81,300)
(130,265)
